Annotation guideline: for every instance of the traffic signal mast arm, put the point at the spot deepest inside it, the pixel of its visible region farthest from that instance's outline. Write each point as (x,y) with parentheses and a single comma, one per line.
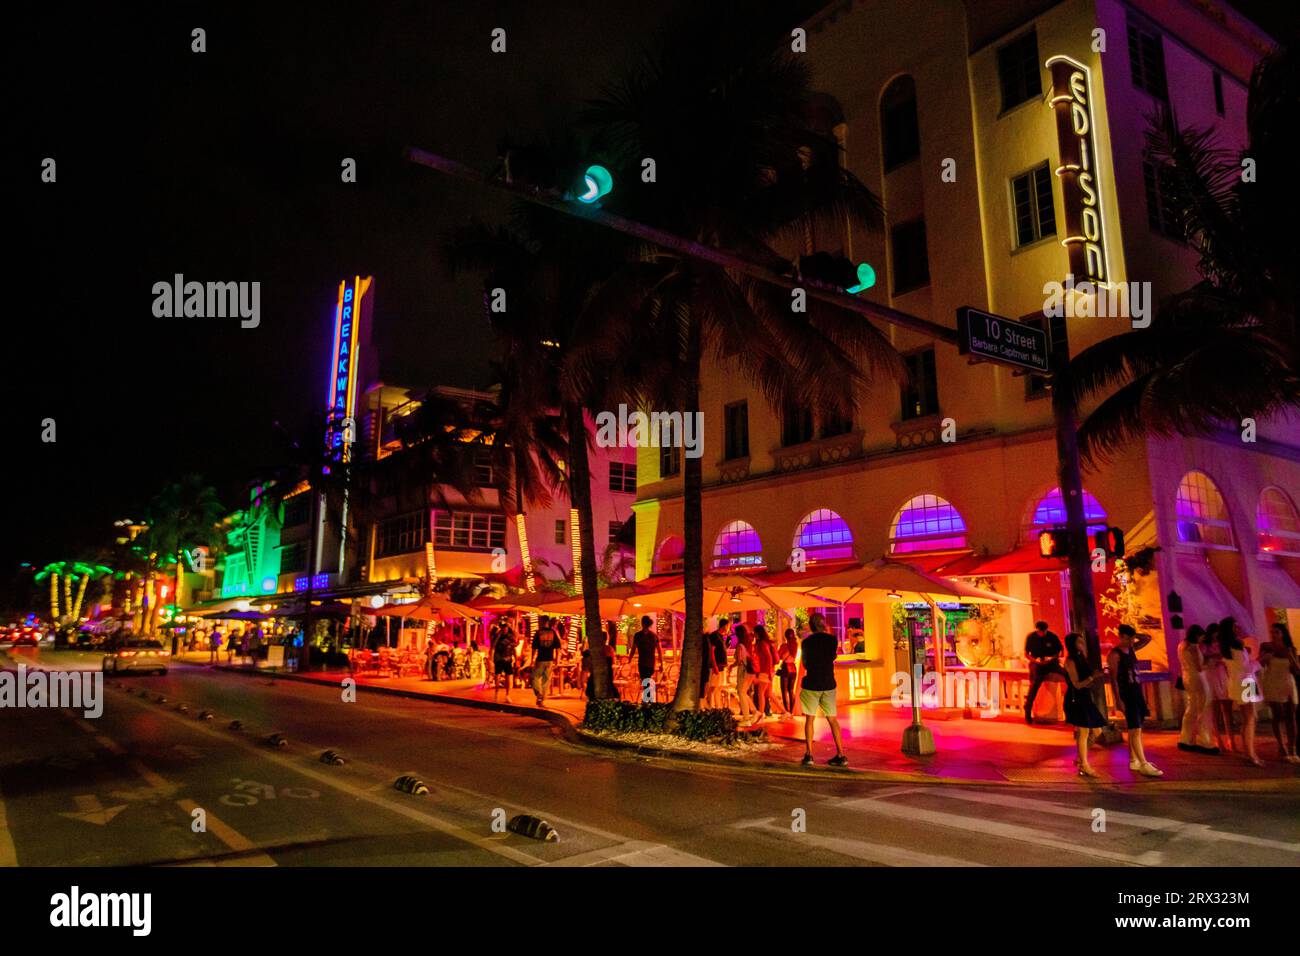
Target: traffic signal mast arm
(666,240)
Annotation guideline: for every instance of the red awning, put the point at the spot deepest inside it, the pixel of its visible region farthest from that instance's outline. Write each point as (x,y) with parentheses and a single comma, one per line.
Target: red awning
(1025,559)
(788,577)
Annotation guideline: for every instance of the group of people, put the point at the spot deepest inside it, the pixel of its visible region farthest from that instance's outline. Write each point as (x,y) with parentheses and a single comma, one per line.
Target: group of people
(1222,676)
(758,662)
(551,643)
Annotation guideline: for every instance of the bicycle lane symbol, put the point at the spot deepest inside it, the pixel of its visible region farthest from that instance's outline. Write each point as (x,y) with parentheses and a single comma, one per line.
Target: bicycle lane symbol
(249,792)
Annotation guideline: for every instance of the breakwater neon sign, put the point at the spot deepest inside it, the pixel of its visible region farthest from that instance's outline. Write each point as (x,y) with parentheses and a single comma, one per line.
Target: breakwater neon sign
(1085,234)
(342,398)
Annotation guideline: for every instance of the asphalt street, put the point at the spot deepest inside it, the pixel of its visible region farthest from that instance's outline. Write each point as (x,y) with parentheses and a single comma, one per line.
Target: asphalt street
(132,786)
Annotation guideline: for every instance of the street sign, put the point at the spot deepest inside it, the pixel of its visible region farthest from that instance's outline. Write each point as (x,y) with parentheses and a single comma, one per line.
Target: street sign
(1002,340)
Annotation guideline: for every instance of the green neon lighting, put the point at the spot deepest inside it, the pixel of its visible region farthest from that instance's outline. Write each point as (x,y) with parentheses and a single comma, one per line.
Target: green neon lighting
(866,279)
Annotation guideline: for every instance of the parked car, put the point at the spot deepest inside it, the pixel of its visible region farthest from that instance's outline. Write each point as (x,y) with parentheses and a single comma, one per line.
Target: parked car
(25,636)
(137,654)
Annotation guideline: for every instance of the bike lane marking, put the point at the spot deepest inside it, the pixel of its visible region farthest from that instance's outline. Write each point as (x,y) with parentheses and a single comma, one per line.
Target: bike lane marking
(231,838)
(492,844)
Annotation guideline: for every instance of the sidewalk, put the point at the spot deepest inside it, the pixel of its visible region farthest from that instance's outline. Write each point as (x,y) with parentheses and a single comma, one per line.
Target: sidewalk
(999,751)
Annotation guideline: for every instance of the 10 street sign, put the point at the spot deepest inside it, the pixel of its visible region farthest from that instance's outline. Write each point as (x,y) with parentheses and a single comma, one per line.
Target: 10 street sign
(999,339)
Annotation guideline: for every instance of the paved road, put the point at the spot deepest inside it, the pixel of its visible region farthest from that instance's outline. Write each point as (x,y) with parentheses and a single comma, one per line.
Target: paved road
(123,789)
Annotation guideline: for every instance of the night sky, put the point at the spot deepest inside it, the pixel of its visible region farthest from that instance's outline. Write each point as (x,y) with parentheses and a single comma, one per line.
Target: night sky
(225,166)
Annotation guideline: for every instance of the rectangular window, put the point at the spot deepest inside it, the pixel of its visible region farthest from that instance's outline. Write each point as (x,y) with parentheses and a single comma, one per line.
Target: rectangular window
(898,127)
(1161,214)
(796,425)
(1146,58)
(670,461)
(622,477)
(296,509)
(615,529)
(921,393)
(736,425)
(469,530)
(833,425)
(911,261)
(1031,197)
(293,558)
(1018,71)
(1218,92)
(484,475)
(402,534)
(561,530)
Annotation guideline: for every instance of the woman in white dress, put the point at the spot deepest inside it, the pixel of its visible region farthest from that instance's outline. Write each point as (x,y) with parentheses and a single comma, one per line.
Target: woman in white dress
(1243,684)
(1279,666)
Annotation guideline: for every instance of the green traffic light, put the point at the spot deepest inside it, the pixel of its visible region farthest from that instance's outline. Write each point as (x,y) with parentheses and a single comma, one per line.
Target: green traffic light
(866,279)
(599,182)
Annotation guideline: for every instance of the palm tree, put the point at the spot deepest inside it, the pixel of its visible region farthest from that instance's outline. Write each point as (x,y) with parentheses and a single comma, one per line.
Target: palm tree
(87,572)
(184,514)
(741,166)
(1225,349)
(549,265)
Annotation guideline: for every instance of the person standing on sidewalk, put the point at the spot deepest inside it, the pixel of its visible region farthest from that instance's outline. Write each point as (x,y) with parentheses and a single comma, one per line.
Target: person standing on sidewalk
(649,656)
(765,664)
(1080,709)
(818,690)
(1122,662)
(1043,648)
(503,660)
(1243,684)
(214,646)
(1279,667)
(789,669)
(745,672)
(545,646)
(1195,735)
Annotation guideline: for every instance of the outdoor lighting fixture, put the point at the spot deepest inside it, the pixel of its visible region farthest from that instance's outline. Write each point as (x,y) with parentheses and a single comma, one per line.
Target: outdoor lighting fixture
(268,585)
(866,279)
(598,181)
(894,595)
(735,595)
(243,605)
(377,601)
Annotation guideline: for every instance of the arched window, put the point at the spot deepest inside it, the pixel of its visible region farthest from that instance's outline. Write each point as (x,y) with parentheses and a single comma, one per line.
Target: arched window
(824,536)
(1276,523)
(737,546)
(1202,515)
(899,131)
(1050,511)
(927,523)
(668,556)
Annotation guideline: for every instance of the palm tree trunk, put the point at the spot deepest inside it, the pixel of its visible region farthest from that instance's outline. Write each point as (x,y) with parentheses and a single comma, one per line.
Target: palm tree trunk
(67,592)
(580,495)
(81,595)
(688,681)
(54,599)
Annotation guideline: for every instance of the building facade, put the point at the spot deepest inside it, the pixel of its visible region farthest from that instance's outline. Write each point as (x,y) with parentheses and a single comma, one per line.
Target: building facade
(948,112)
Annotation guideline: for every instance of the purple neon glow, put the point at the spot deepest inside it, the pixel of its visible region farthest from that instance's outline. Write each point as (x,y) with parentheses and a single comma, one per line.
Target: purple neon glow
(1201,514)
(824,536)
(927,523)
(737,546)
(1051,510)
(669,555)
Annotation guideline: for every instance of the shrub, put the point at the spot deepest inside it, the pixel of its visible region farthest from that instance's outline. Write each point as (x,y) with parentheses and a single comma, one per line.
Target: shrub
(626,717)
(713,726)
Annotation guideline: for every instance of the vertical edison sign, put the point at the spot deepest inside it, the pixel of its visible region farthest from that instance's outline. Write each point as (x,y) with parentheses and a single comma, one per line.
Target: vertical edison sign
(350,315)
(1085,236)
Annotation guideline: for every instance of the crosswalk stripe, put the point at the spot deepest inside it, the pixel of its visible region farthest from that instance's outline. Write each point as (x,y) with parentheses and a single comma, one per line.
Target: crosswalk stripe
(1008,831)
(857,849)
(635,853)
(1195,831)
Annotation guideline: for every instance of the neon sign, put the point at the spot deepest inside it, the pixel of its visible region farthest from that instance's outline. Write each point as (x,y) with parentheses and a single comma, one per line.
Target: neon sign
(1085,236)
(344,366)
